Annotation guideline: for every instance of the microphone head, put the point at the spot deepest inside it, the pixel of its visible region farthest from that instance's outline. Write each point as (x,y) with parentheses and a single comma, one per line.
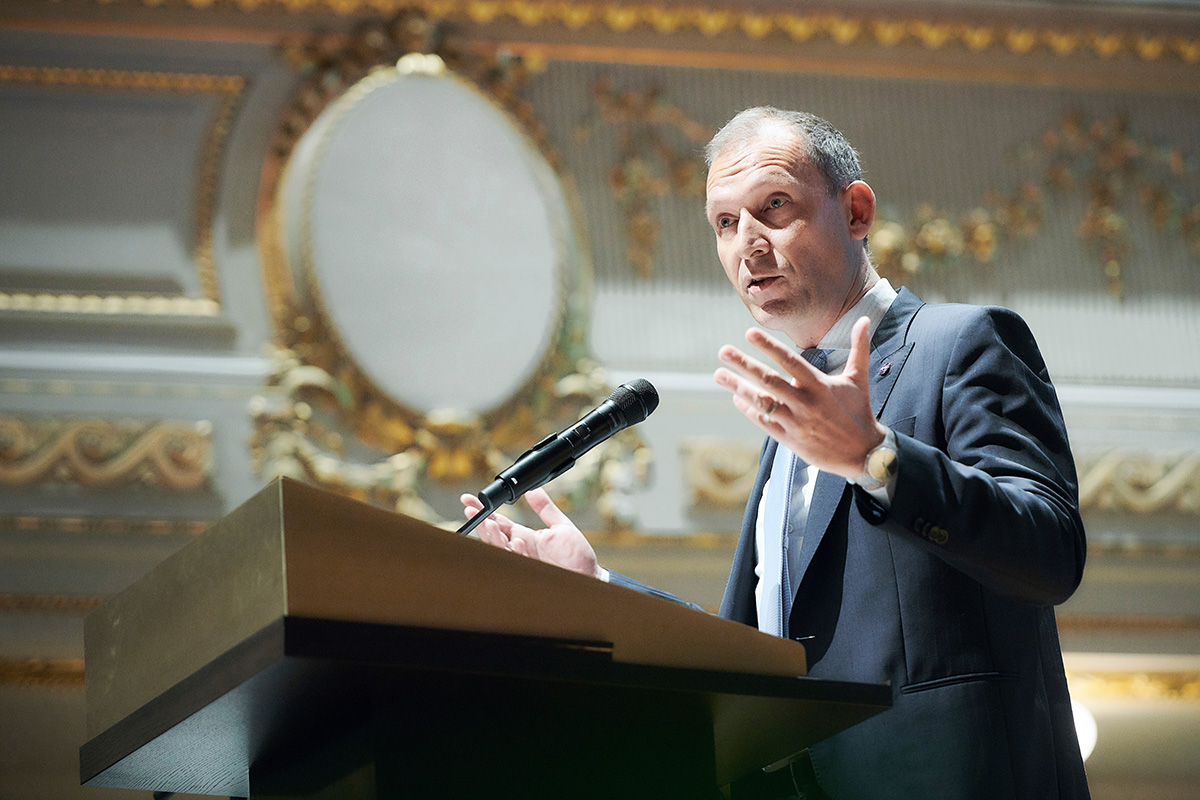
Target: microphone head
(635,400)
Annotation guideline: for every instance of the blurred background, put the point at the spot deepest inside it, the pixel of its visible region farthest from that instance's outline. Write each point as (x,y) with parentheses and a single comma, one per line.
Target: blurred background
(383,247)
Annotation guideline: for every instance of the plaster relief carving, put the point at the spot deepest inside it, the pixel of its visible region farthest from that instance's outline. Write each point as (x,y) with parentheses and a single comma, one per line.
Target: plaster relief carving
(720,473)
(98,452)
(1140,482)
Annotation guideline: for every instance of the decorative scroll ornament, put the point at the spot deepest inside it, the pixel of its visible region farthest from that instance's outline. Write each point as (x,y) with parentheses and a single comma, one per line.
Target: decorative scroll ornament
(719,473)
(649,165)
(291,440)
(96,452)
(1122,480)
(1101,157)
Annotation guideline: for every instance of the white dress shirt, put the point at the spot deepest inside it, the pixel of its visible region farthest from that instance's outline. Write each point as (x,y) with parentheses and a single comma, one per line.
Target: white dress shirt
(873,305)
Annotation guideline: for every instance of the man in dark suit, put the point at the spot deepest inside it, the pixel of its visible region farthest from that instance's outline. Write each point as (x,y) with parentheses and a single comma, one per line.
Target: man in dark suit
(921,517)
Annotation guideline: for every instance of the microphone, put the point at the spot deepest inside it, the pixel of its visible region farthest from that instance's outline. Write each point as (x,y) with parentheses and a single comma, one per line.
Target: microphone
(628,405)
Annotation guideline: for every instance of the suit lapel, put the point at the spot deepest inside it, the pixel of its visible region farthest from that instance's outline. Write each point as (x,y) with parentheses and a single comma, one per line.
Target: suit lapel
(825,498)
(889,351)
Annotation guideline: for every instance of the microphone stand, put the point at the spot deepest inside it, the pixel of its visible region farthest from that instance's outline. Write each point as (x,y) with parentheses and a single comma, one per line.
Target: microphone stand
(474,521)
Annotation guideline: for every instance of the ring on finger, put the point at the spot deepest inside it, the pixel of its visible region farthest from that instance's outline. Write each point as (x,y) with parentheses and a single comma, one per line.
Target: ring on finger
(770,409)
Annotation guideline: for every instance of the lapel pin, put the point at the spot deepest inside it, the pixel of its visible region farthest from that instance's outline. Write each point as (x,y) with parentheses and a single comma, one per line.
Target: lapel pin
(885,369)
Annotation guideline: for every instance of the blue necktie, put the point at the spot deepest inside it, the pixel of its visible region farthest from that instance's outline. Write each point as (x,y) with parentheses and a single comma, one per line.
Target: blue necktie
(783,502)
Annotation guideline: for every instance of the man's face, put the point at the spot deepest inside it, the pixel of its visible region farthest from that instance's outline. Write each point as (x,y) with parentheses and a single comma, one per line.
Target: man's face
(784,242)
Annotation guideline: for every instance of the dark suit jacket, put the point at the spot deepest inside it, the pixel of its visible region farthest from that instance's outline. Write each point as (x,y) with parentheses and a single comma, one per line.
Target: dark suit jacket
(948,597)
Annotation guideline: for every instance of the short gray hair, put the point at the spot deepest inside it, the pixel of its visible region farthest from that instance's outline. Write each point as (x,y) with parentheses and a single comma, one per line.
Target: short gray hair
(834,157)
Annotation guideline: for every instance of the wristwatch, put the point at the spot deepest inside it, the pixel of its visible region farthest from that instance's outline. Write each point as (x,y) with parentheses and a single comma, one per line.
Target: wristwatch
(881,464)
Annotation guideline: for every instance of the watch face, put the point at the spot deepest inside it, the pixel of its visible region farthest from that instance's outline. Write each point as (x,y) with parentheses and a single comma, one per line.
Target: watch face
(881,463)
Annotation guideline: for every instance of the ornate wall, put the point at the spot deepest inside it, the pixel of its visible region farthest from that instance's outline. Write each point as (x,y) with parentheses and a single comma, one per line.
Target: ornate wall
(1039,156)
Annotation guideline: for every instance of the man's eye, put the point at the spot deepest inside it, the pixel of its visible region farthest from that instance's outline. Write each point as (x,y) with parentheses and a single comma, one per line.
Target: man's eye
(775,202)
(724,222)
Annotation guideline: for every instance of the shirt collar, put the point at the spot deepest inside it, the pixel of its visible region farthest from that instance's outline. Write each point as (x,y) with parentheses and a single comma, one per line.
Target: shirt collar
(874,306)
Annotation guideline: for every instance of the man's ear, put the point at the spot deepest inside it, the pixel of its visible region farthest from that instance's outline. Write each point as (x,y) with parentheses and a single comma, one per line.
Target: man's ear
(860,208)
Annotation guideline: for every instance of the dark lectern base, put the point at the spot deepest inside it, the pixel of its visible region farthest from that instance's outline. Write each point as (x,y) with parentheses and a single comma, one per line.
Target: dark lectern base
(431,736)
(321,709)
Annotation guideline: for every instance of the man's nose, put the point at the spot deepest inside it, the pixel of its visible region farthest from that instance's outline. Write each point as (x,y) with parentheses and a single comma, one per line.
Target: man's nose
(752,240)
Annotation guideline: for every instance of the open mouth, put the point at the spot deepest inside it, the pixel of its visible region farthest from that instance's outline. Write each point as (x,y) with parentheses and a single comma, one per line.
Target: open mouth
(758,283)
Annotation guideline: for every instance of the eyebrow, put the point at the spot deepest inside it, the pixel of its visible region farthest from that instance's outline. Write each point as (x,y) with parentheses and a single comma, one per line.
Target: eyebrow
(780,181)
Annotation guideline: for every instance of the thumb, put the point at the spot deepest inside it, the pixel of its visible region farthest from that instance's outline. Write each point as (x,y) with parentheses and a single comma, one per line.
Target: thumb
(859,361)
(549,513)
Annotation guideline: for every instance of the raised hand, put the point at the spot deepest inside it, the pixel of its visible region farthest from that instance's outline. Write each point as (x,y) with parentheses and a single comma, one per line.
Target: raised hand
(559,543)
(824,419)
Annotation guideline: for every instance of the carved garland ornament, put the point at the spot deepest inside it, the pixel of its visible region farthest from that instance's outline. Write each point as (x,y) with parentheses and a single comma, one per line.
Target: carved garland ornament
(1103,158)
(649,164)
(104,453)
(229,89)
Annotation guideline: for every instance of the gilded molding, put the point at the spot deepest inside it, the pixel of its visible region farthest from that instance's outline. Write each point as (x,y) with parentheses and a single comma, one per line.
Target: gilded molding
(1135,685)
(229,89)
(720,474)
(97,452)
(42,673)
(100,526)
(45,602)
(124,305)
(1127,623)
(626,538)
(841,29)
(61,387)
(1136,547)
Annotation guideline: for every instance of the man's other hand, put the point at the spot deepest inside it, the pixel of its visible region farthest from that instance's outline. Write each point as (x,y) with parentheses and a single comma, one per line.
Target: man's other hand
(559,543)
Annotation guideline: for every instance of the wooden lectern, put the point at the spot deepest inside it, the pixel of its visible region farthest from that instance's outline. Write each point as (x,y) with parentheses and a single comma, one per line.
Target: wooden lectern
(311,646)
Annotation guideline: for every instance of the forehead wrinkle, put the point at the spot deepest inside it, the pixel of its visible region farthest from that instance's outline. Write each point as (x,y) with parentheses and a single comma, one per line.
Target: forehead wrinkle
(773,147)
(772,173)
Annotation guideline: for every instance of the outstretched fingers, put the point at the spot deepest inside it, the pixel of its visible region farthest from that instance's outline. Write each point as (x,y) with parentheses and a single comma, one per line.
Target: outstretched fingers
(757,374)
(801,372)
